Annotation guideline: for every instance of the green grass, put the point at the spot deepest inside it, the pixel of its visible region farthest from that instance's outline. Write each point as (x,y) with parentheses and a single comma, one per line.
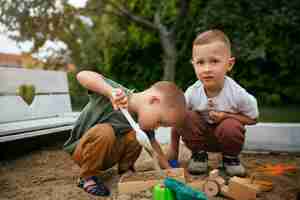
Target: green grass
(279,114)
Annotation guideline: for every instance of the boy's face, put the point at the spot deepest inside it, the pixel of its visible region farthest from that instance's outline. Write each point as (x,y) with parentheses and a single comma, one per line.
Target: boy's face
(211,63)
(155,114)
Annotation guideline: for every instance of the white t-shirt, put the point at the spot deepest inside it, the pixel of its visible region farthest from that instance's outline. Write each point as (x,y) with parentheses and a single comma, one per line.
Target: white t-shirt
(232,98)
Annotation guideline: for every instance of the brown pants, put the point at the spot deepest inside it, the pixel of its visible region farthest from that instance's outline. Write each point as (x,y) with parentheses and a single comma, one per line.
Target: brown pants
(228,136)
(99,149)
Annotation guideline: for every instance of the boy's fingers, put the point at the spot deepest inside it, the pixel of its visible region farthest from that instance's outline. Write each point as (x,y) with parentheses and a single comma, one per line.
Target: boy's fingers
(212,116)
(119,99)
(123,106)
(123,101)
(115,107)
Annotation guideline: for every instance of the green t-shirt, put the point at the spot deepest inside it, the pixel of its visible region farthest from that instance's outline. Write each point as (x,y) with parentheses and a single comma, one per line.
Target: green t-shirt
(100,110)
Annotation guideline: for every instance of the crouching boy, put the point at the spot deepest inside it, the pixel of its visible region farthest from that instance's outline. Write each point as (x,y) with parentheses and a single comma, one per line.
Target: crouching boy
(102,136)
(219,108)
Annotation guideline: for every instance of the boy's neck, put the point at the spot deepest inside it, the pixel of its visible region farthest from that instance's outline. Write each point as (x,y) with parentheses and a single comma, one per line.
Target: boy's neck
(133,102)
(213,92)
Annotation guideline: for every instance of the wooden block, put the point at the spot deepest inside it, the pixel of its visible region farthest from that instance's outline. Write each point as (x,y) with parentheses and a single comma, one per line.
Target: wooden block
(220,181)
(258,185)
(263,186)
(225,190)
(214,174)
(237,190)
(145,180)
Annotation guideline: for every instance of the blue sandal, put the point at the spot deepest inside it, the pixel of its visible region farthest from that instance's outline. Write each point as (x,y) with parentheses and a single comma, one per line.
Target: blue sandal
(97,189)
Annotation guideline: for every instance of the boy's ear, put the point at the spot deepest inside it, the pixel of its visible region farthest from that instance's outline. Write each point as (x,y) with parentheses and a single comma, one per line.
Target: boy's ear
(154,99)
(231,62)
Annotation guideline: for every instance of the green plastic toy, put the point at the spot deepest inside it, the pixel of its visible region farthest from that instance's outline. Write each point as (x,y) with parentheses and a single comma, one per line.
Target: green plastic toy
(160,192)
(182,191)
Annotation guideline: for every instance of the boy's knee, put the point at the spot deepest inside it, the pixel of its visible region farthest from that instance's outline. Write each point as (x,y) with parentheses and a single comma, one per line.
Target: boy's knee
(131,141)
(130,137)
(231,131)
(98,135)
(231,137)
(232,127)
(103,132)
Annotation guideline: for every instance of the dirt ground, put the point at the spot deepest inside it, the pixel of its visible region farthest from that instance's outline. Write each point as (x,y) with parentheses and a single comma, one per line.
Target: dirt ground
(46,172)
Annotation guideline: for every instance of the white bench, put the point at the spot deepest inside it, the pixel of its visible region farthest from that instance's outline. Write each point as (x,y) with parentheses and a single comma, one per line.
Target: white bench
(49,112)
(273,137)
(262,137)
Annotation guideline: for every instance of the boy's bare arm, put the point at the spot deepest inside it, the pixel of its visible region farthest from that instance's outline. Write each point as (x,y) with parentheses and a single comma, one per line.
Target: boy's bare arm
(95,82)
(162,159)
(219,116)
(173,150)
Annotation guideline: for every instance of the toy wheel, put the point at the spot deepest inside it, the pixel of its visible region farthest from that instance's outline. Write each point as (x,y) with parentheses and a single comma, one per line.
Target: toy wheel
(211,188)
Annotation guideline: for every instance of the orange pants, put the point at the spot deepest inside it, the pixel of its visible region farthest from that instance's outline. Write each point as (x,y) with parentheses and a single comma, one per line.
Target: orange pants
(99,149)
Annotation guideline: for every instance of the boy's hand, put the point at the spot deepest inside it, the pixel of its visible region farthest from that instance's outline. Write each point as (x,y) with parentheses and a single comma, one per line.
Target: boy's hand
(216,117)
(119,99)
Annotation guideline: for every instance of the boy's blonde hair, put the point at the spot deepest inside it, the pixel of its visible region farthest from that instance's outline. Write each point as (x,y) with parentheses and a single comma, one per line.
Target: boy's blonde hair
(171,94)
(210,36)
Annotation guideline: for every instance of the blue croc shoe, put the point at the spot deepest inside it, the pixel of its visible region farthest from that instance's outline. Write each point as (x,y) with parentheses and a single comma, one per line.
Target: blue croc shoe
(97,189)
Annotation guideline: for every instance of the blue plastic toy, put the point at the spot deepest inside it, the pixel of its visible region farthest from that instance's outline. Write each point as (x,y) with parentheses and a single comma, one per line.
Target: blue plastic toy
(182,191)
(174,163)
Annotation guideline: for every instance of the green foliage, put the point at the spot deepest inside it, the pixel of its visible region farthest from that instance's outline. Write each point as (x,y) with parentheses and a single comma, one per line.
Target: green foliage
(77,93)
(284,113)
(265,42)
(264,34)
(134,69)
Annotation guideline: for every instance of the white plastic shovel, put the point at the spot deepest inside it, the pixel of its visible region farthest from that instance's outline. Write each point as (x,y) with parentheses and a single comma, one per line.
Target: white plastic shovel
(140,134)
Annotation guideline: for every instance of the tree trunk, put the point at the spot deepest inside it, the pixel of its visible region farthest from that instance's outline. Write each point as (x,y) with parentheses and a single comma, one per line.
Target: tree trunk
(169,55)
(167,41)
(167,37)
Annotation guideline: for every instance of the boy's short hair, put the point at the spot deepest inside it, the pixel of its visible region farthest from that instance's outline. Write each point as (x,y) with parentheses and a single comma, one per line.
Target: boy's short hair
(210,36)
(171,94)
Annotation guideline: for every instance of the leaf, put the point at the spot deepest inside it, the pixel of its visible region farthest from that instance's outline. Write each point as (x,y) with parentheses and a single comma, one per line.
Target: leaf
(27,93)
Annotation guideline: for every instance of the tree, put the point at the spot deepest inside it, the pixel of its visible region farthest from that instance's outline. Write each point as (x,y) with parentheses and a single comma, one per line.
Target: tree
(265,40)
(40,20)
(127,40)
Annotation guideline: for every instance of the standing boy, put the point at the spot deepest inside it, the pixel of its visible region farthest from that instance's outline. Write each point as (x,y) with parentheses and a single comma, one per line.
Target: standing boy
(218,108)
(102,136)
